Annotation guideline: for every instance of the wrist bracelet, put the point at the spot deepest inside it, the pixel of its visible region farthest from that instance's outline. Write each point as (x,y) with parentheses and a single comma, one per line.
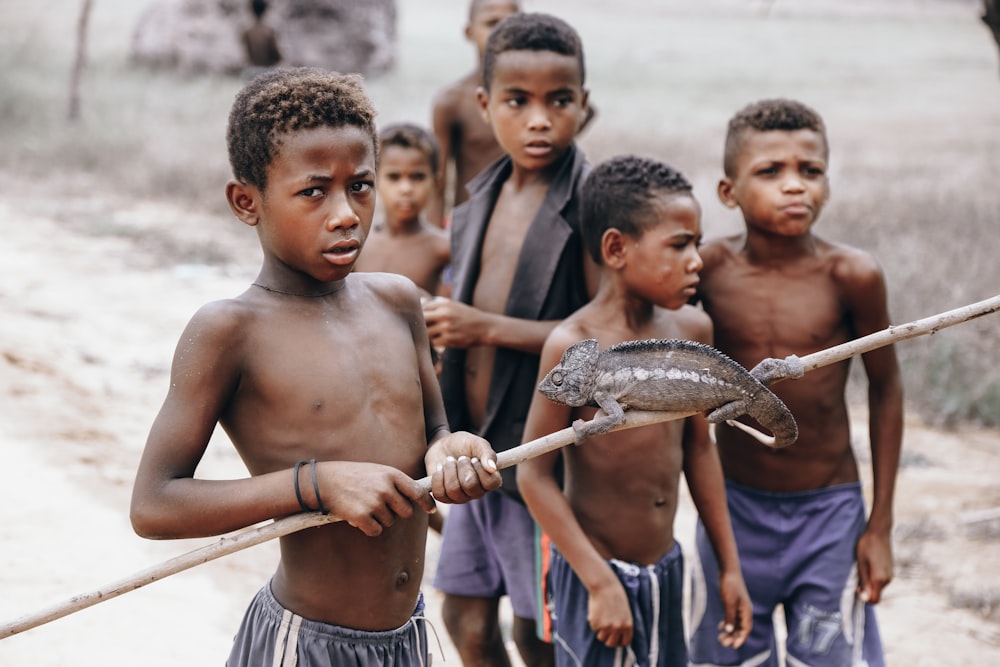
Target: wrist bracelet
(319,501)
(298,491)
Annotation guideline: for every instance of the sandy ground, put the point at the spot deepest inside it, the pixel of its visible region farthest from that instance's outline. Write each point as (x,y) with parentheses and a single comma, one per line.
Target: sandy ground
(90,315)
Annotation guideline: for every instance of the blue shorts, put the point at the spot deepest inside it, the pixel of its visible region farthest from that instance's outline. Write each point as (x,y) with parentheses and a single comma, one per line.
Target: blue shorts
(796,550)
(654,593)
(490,548)
(271,635)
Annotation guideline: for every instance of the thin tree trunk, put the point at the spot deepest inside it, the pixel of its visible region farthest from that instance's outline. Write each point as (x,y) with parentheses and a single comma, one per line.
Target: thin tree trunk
(79,61)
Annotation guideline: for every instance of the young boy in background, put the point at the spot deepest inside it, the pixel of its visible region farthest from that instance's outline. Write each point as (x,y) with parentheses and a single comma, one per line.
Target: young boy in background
(519,267)
(404,242)
(466,140)
(324,383)
(798,513)
(616,576)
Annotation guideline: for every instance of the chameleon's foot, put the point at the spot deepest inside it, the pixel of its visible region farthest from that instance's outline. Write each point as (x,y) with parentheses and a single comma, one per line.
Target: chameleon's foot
(771,370)
(581,430)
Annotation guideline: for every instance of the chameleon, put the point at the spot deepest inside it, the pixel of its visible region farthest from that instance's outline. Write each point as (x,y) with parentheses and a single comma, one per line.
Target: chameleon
(670,375)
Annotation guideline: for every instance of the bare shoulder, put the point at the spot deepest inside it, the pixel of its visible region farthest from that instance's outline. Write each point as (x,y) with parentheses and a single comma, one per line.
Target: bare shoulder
(223,320)
(568,332)
(693,323)
(453,95)
(391,289)
(718,251)
(853,268)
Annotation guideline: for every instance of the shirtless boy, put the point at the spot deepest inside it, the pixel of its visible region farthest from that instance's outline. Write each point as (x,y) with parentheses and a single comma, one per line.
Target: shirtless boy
(404,242)
(798,513)
(260,41)
(519,267)
(323,381)
(467,142)
(616,585)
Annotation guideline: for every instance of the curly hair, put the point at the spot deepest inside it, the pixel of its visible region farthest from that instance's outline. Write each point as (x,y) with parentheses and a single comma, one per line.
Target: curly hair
(289,100)
(408,135)
(619,194)
(530,31)
(764,116)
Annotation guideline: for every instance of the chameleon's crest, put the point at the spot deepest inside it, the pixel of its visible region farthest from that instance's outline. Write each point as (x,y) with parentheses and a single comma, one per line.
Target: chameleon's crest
(572,381)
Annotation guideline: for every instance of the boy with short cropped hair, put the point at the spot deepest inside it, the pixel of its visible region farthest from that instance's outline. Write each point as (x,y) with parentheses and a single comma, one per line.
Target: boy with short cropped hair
(616,575)
(518,268)
(403,241)
(798,513)
(324,383)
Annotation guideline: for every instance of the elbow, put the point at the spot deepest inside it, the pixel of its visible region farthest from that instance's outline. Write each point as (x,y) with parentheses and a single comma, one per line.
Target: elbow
(148,523)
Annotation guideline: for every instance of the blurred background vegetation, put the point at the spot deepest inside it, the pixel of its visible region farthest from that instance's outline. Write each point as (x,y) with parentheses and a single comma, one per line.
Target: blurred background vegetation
(910,91)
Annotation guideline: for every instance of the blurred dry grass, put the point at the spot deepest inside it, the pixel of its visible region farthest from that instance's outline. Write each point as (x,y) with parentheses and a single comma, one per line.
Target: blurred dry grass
(910,91)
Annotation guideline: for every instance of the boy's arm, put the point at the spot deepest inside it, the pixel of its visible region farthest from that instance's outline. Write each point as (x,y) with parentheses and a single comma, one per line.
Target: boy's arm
(442,123)
(452,323)
(167,500)
(703,473)
(867,301)
(462,466)
(608,610)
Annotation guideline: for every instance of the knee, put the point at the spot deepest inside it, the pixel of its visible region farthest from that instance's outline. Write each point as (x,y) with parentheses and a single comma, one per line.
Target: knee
(472,629)
(534,651)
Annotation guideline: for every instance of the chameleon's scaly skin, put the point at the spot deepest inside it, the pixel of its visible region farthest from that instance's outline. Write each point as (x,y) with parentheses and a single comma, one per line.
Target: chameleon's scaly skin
(669,375)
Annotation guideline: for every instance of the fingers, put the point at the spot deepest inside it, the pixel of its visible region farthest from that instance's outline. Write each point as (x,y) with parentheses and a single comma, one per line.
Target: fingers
(870,584)
(733,634)
(465,478)
(737,622)
(394,504)
(614,636)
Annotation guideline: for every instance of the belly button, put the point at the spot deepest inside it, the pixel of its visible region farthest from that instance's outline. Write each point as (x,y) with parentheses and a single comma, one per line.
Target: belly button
(402,578)
(660,502)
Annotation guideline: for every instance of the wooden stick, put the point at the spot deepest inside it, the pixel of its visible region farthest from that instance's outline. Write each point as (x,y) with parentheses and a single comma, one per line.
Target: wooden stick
(254,535)
(894,334)
(248,537)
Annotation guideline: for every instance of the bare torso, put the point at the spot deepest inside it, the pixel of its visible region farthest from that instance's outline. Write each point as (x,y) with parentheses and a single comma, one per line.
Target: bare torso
(505,234)
(623,486)
(298,354)
(421,255)
(791,307)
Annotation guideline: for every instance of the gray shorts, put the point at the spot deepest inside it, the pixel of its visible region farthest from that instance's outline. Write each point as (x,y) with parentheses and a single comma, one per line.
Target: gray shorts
(272,636)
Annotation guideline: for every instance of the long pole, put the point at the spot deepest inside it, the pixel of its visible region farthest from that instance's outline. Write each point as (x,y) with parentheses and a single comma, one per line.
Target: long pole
(254,535)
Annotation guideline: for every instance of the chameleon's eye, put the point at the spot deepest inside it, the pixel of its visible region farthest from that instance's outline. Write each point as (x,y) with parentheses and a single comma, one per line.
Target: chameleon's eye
(557,379)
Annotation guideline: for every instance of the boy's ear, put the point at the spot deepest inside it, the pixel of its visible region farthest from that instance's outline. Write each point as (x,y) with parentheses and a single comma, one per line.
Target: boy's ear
(725,191)
(613,248)
(483,97)
(243,201)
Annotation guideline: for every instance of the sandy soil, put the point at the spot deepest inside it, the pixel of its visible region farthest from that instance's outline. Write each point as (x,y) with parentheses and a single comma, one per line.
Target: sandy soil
(90,315)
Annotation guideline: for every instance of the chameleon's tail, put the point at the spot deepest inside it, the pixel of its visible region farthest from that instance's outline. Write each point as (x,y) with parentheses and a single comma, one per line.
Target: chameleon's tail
(771,413)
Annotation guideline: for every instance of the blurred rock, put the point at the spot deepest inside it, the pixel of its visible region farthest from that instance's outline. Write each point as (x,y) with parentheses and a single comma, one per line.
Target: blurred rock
(195,36)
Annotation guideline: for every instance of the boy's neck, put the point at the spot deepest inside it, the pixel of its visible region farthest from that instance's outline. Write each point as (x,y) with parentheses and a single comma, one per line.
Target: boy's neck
(520,177)
(616,301)
(405,227)
(764,248)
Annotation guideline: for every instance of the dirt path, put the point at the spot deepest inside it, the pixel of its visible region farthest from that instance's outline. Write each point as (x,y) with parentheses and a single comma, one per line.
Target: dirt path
(90,315)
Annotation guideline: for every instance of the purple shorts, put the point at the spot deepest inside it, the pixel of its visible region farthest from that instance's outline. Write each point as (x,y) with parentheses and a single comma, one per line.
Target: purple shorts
(796,550)
(654,595)
(490,548)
